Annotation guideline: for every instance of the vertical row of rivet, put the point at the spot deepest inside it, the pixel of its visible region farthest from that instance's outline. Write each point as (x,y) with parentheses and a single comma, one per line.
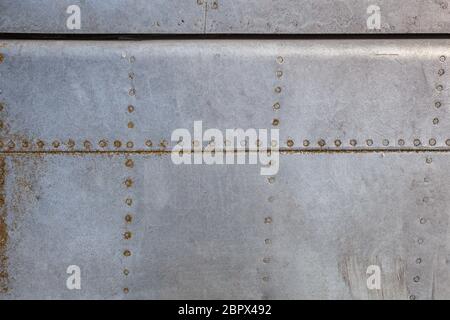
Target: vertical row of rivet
(268,220)
(128,182)
(421,259)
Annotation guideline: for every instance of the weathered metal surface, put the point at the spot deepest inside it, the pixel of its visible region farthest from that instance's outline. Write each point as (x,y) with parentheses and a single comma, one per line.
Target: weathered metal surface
(225,16)
(363,177)
(373,94)
(201,231)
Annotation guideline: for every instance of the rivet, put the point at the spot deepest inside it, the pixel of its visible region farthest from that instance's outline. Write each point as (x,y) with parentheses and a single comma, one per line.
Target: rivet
(25,144)
(412,297)
(432,142)
(444,5)
(70,143)
(278,89)
(280,59)
(117,143)
(276,106)
(56,144)
(265,278)
(439,87)
(438,104)
(279,73)
(416,279)
(102,143)
(163,143)
(149,143)
(128,218)
(441,72)
(435,121)
(130,125)
(275,122)
(385,142)
(401,142)
(442,58)
(266,260)
(423,220)
(87,144)
(129,163)
(40,144)
(127,253)
(268,220)
(290,143)
(337,143)
(353,142)
(11,144)
(127,235)
(126,290)
(128,182)
(429,160)
(418,260)
(132,92)
(417,142)
(268,241)
(126,272)
(322,143)
(271,180)
(369,142)
(306,143)
(130,108)
(129,201)
(447,142)
(420,241)
(130,144)
(131,75)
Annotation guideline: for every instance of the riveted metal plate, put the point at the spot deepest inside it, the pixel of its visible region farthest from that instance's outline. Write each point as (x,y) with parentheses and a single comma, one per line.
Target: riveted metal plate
(348,94)
(87,180)
(225,17)
(203,231)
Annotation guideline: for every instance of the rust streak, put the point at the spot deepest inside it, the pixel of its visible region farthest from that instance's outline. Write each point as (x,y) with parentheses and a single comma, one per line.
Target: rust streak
(4,279)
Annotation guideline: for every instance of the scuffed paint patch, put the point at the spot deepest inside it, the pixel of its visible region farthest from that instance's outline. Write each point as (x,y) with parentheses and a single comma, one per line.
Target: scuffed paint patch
(4,278)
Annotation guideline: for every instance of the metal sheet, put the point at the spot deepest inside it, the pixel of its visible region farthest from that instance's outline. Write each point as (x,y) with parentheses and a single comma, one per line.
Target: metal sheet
(220,16)
(200,231)
(393,93)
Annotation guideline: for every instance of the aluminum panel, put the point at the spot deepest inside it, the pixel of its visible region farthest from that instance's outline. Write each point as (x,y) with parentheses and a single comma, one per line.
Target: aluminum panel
(325,94)
(201,231)
(224,17)
(140,226)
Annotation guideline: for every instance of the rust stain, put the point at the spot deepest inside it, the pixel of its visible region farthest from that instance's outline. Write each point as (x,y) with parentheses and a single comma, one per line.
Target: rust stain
(4,278)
